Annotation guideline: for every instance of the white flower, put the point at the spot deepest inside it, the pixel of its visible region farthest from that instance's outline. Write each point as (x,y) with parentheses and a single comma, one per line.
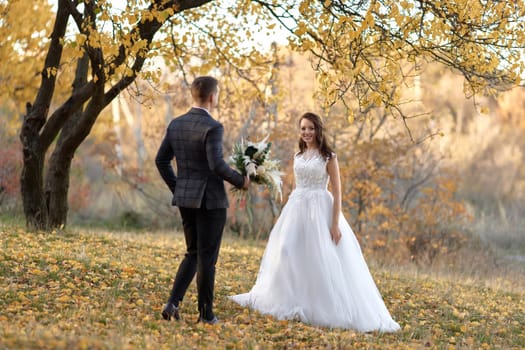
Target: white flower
(261,170)
(251,169)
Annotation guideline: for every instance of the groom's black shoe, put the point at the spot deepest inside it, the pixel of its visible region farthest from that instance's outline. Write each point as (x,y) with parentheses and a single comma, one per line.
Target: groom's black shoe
(170,311)
(213,321)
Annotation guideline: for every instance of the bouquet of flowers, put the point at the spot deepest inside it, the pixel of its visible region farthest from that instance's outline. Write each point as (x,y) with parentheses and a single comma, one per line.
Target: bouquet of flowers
(253,159)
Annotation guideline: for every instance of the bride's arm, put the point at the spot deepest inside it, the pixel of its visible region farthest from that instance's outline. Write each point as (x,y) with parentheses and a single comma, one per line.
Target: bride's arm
(333,172)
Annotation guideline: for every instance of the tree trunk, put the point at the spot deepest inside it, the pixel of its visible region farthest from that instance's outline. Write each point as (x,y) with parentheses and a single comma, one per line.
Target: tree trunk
(273,82)
(115,111)
(137,130)
(57,187)
(135,123)
(34,150)
(59,168)
(31,180)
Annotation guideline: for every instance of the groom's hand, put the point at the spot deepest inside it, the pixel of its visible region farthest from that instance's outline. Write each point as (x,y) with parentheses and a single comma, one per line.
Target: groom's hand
(246,182)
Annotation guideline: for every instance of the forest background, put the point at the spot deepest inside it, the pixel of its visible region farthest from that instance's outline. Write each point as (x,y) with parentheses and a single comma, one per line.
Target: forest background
(443,185)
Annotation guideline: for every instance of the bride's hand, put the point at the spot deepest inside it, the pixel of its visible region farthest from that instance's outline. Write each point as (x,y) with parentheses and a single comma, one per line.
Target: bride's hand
(335,233)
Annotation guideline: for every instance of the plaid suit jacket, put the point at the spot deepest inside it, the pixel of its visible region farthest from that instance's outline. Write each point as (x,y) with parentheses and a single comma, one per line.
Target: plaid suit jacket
(195,141)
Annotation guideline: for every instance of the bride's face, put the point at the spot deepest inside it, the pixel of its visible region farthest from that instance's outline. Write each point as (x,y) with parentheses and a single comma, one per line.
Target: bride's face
(307,129)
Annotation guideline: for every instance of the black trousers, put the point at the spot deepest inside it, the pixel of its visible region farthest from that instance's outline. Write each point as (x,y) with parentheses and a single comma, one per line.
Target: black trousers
(203,230)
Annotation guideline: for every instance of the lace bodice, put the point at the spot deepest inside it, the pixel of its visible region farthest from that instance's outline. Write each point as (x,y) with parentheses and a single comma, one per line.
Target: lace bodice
(310,171)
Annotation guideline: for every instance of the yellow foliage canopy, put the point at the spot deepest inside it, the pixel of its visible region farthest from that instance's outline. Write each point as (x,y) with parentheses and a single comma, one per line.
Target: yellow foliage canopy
(24,26)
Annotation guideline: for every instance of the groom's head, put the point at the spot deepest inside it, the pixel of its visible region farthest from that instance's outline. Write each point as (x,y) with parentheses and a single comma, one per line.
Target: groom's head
(204,90)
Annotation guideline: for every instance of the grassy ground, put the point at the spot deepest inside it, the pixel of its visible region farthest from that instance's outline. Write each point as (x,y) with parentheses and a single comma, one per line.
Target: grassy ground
(105,290)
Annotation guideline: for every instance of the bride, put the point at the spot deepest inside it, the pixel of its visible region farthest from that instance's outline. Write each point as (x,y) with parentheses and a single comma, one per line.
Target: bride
(313,269)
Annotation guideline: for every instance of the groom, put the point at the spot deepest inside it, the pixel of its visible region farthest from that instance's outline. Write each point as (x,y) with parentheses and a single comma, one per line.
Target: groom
(194,139)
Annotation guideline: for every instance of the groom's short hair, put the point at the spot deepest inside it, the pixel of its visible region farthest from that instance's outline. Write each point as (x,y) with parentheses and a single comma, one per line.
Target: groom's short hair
(203,87)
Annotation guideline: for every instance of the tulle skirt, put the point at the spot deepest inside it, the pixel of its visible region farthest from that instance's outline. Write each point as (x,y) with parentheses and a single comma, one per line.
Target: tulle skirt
(305,276)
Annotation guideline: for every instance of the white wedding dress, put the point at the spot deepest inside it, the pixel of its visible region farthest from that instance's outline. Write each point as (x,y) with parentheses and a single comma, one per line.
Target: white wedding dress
(304,275)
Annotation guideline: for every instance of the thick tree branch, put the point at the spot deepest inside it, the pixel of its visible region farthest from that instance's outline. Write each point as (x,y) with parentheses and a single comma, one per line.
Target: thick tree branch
(60,116)
(77,16)
(38,112)
(96,56)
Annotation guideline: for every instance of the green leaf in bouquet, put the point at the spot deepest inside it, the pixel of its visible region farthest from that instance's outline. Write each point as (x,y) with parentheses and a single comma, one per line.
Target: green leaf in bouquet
(237,159)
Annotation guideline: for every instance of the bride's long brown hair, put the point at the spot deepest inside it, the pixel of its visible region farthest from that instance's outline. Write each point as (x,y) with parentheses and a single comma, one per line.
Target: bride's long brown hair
(325,150)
